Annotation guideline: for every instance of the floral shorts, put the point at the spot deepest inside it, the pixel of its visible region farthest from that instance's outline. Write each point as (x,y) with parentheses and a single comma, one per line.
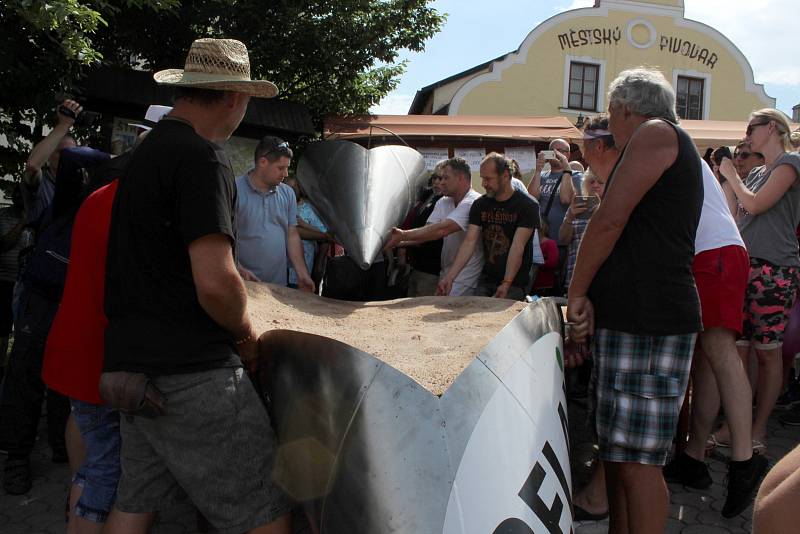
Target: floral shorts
(768,300)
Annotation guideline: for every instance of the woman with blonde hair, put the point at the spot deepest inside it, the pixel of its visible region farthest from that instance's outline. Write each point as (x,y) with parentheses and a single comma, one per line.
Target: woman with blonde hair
(769,212)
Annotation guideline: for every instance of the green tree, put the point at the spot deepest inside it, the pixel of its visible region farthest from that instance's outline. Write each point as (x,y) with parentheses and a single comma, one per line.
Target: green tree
(335,56)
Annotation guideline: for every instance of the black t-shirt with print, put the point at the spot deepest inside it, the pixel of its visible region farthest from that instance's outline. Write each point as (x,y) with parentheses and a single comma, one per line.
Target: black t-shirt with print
(499,221)
(177,188)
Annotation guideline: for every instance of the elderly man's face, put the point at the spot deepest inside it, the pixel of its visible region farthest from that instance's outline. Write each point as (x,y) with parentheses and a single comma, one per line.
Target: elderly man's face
(490,179)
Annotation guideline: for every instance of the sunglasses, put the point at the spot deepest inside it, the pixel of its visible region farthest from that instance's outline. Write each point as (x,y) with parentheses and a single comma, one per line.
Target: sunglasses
(751,127)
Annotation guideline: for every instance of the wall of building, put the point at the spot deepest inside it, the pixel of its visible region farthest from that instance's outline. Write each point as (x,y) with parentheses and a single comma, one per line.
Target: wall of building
(616,35)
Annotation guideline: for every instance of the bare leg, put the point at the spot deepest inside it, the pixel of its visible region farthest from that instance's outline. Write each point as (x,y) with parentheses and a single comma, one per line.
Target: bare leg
(75,447)
(127,523)
(282,525)
(779,497)
(593,497)
(770,378)
(723,433)
(720,374)
(643,493)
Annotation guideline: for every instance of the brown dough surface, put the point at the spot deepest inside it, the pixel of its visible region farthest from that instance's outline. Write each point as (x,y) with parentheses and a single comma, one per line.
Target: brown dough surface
(431,339)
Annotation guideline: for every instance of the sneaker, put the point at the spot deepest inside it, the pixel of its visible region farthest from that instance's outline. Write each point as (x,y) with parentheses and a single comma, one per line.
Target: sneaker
(683,469)
(791,417)
(17,476)
(790,397)
(743,481)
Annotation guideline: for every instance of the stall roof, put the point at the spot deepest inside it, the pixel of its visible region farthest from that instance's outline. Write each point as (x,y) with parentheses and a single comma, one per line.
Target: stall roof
(716,133)
(446,126)
(128,92)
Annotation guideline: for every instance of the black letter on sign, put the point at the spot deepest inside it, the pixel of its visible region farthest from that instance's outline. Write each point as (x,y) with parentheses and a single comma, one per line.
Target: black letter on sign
(513,526)
(530,494)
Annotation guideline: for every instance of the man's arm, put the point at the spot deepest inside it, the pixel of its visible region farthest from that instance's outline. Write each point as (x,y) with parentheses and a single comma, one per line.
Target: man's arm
(429,232)
(521,237)
(44,148)
(221,292)
(535,187)
(310,233)
(567,189)
(651,151)
(294,249)
(462,257)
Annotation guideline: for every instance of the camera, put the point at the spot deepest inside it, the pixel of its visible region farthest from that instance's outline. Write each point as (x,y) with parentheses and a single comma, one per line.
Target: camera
(719,154)
(83,119)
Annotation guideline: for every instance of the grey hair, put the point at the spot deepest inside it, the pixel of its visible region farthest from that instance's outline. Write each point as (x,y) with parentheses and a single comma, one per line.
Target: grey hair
(644,92)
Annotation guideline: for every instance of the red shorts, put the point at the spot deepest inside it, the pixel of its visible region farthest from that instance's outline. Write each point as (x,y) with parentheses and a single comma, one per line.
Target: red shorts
(721,276)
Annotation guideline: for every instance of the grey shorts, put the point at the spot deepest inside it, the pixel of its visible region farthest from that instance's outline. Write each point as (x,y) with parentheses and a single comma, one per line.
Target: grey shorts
(214,445)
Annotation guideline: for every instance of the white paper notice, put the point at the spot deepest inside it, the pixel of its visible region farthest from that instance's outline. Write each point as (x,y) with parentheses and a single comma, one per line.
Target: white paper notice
(473,157)
(525,156)
(432,156)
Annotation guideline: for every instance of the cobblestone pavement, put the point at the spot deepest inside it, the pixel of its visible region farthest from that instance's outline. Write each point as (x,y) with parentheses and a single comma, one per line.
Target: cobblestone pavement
(692,512)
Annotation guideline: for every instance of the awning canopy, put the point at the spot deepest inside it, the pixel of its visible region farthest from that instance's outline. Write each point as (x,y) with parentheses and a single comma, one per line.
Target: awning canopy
(716,133)
(441,127)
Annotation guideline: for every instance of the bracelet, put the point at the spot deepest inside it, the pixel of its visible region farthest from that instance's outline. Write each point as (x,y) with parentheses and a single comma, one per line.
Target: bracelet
(250,337)
(567,171)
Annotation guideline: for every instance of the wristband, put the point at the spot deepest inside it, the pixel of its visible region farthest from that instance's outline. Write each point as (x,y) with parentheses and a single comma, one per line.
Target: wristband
(567,171)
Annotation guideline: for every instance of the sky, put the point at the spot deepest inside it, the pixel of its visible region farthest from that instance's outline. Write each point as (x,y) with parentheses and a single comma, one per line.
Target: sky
(476,32)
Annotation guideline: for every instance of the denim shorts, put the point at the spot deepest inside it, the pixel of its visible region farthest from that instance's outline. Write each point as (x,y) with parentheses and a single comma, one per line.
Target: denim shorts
(99,473)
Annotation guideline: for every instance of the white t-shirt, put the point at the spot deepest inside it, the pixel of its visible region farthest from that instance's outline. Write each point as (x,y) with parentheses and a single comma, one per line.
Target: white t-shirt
(717,228)
(467,279)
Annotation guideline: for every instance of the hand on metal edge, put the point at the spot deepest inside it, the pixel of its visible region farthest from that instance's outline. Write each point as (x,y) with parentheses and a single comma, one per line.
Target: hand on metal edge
(444,287)
(580,312)
(501,291)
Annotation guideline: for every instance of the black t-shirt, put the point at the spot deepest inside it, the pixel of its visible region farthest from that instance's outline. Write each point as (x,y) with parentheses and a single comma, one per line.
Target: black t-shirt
(177,188)
(499,221)
(426,257)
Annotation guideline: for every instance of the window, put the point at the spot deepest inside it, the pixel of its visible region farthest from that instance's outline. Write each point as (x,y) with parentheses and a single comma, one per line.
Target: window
(689,97)
(583,86)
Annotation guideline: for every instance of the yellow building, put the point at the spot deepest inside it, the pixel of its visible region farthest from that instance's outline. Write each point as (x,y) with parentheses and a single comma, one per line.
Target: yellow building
(564,66)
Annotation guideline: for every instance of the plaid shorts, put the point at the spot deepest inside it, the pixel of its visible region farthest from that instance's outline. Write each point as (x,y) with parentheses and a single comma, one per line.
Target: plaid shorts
(639,383)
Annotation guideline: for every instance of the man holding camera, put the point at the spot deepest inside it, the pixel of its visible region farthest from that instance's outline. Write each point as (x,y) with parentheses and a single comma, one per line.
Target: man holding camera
(39,178)
(553,192)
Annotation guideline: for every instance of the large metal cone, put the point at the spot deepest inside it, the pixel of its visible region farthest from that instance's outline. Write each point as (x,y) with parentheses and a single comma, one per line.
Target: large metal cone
(361,193)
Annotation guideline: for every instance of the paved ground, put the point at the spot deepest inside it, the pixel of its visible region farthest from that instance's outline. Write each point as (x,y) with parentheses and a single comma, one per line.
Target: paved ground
(693,511)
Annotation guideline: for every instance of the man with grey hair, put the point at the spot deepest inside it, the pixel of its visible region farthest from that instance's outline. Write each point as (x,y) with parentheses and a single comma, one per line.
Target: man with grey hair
(642,238)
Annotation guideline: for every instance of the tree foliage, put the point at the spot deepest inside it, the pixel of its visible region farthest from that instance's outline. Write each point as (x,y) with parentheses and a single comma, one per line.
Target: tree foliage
(335,56)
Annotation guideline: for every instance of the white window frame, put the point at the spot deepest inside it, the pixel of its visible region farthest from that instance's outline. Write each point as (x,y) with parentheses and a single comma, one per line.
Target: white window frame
(706,77)
(601,84)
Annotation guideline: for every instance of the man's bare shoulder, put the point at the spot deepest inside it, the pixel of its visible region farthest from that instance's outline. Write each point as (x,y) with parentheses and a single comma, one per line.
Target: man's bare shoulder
(654,133)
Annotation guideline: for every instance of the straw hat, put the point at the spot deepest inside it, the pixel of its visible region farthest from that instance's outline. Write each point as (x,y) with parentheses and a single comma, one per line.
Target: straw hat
(221,64)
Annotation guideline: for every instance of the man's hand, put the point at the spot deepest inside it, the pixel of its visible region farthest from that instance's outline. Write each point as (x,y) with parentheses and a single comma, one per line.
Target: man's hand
(444,287)
(580,313)
(395,237)
(540,161)
(502,290)
(66,120)
(574,353)
(248,353)
(305,283)
(247,275)
(562,160)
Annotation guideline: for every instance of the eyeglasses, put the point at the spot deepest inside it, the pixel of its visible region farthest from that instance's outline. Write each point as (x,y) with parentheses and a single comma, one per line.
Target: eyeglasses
(751,127)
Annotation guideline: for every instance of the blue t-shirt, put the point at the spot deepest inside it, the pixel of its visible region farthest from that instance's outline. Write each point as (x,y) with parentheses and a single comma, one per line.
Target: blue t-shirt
(550,185)
(264,219)
(307,212)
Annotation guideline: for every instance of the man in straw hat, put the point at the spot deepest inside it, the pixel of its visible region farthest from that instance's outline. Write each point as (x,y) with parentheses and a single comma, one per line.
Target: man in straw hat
(176,307)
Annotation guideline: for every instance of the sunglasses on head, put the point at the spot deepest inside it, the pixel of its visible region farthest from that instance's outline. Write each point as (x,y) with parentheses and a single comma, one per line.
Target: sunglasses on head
(751,127)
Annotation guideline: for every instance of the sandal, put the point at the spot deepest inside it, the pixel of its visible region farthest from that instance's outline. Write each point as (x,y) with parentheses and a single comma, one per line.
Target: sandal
(713,442)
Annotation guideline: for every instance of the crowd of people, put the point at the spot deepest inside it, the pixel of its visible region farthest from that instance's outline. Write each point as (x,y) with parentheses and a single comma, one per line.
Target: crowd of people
(123,280)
